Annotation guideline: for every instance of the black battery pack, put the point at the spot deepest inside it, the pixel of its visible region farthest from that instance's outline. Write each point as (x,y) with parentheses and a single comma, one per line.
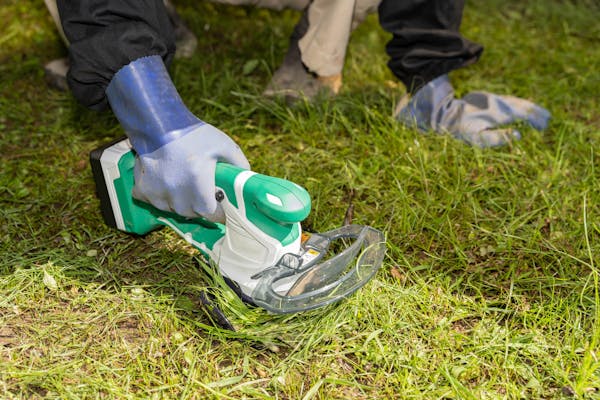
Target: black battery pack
(102,191)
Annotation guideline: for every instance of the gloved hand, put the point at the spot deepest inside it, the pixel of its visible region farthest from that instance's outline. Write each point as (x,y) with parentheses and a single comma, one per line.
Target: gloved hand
(477,118)
(176,152)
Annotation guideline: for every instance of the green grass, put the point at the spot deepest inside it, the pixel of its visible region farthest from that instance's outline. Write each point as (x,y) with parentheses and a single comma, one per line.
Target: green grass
(490,284)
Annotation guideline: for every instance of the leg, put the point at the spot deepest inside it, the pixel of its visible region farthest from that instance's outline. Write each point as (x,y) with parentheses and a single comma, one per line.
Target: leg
(185,39)
(272,4)
(326,40)
(315,57)
(52,8)
(426,45)
(56,70)
(426,41)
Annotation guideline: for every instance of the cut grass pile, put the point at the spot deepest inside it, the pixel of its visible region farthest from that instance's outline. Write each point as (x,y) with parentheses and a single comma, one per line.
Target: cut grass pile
(490,284)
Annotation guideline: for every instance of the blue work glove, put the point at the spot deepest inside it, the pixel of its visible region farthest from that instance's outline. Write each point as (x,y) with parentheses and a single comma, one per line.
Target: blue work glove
(478,118)
(176,152)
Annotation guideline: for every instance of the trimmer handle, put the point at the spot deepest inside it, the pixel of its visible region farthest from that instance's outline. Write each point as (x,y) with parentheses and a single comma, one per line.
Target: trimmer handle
(278,199)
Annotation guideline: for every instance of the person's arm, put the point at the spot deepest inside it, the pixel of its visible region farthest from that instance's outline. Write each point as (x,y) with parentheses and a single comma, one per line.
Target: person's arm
(118,51)
(105,35)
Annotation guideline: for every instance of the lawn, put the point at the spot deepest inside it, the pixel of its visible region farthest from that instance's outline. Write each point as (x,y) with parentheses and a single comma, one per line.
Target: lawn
(490,285)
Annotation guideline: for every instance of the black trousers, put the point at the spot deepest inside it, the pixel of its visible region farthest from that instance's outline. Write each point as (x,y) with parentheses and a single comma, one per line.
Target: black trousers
(106,35)
(426,41)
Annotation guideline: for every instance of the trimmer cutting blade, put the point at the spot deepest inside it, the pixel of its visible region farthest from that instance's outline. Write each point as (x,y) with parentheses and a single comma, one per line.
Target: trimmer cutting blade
(261,247)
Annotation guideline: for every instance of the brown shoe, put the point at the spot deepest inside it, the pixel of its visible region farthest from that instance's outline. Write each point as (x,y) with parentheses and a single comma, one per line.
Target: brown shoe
(186,41)
(293,81)
(56,74)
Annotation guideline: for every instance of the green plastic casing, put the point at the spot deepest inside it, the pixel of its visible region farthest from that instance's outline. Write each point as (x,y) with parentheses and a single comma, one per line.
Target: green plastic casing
(272,204)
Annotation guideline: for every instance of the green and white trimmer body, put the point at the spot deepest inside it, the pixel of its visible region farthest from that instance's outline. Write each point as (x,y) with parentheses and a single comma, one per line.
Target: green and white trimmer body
(261,248)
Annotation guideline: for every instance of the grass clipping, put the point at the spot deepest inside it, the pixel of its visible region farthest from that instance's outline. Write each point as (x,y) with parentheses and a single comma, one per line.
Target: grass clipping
(257,325)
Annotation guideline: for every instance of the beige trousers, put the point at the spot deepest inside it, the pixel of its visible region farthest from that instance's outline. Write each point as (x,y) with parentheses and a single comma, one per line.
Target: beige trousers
(51,4)
(324,45)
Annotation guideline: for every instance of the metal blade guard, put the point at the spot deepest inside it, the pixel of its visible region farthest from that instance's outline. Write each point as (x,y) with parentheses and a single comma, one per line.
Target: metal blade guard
(309,280)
